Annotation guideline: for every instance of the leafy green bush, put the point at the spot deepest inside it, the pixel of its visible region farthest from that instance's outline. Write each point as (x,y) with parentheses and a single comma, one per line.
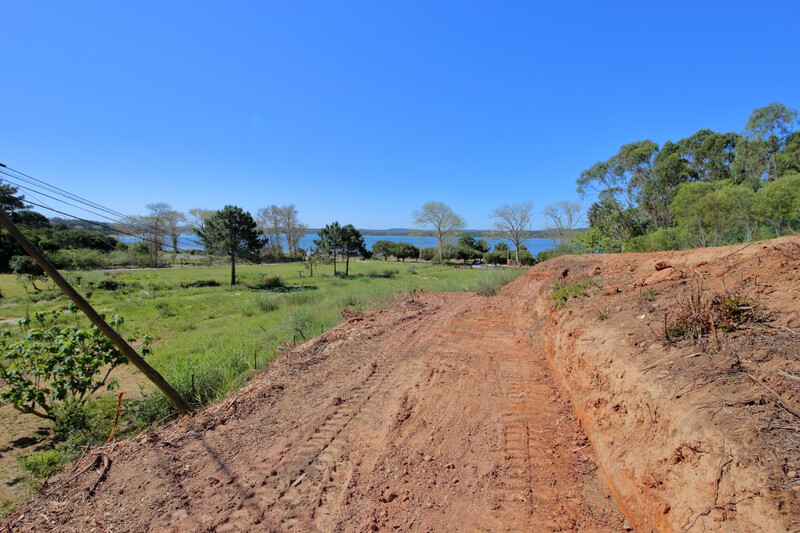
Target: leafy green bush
(108,285)
(55,366)
(41,466)
(268,282)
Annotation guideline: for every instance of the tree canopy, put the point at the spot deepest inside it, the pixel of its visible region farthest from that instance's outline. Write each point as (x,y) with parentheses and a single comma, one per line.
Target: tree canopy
(709,188)
(232,231)
(514,221)
(440,219)
(336,239)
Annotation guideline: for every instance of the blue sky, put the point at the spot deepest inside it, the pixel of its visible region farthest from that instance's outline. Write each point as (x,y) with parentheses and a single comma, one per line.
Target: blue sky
(362,111)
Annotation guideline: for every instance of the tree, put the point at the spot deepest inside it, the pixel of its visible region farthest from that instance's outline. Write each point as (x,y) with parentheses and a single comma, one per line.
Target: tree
(330,241)
(232,231)
(292,228)
(10,202)
(565,216)
(514,221)
(174,224)
(269,222)
(156,222)
(713,213)
(404,250)
(440,220)
(198,217)
(770,128)
(384,249)
(27,271)
(352,243)
(778,202)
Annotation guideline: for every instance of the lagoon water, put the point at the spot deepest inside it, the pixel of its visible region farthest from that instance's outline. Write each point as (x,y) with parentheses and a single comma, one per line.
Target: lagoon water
(535,246)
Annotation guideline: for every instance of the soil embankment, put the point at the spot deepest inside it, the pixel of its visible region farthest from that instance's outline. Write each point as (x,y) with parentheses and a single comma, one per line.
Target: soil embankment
(458,412)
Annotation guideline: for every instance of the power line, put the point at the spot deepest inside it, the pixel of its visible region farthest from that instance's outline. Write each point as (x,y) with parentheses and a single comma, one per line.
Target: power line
(28,178)
(122,219)
(143,228)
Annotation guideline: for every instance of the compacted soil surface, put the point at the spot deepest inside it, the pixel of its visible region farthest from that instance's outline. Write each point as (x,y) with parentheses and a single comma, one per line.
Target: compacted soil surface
(661,393)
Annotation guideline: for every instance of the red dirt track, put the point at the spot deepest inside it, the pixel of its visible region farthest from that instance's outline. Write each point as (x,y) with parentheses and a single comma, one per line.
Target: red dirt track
(456,412)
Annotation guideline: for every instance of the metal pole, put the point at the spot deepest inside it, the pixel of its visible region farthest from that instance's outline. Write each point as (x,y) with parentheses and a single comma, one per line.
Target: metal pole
(121,344)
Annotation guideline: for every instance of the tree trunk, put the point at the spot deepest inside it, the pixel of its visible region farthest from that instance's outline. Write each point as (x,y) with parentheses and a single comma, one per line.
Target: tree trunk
(233,269)
(334,262)
(347,263)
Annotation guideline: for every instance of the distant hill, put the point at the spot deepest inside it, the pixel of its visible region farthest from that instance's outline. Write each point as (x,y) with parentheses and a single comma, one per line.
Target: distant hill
(89,225)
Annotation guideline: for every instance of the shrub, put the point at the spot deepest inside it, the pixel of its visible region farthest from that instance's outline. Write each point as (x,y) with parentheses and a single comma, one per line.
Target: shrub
(703,312)
(562,293)
(108,285)
(41,466)
(564,248)
(199,284)
(54,367)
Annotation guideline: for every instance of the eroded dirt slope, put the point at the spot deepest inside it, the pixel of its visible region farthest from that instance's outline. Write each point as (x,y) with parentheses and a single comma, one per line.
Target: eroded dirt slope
(454,412)
(693,434)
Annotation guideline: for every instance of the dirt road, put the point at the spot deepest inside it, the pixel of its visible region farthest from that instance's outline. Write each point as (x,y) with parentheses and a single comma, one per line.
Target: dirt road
(436,415)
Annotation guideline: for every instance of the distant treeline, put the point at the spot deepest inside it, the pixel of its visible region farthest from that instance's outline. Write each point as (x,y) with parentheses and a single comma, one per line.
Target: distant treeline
(88,225)
(402,232)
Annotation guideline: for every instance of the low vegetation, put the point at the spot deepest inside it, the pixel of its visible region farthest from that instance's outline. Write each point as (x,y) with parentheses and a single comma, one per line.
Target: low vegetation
(562,293)
(702,312)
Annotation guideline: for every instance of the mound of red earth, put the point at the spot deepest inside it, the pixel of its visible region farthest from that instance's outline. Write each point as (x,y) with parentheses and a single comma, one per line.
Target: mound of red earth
(664,398)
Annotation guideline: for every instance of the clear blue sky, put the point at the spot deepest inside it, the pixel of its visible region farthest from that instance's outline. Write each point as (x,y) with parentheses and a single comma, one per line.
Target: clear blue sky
(362,111)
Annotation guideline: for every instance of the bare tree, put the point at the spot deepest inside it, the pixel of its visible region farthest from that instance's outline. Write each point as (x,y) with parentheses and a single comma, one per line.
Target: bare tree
(156,220)
(440,219)
(174,223)
(565,216)
(514,221)
(292,228)
(269,220)
(198,217)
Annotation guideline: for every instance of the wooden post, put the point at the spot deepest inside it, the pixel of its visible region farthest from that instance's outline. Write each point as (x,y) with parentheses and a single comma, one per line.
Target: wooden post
(121,344)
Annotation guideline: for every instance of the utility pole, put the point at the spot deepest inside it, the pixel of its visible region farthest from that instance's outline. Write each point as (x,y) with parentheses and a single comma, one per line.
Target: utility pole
(121,344)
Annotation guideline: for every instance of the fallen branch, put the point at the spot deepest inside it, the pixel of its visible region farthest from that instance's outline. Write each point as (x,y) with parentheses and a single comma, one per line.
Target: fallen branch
(787,375)
(777,397)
